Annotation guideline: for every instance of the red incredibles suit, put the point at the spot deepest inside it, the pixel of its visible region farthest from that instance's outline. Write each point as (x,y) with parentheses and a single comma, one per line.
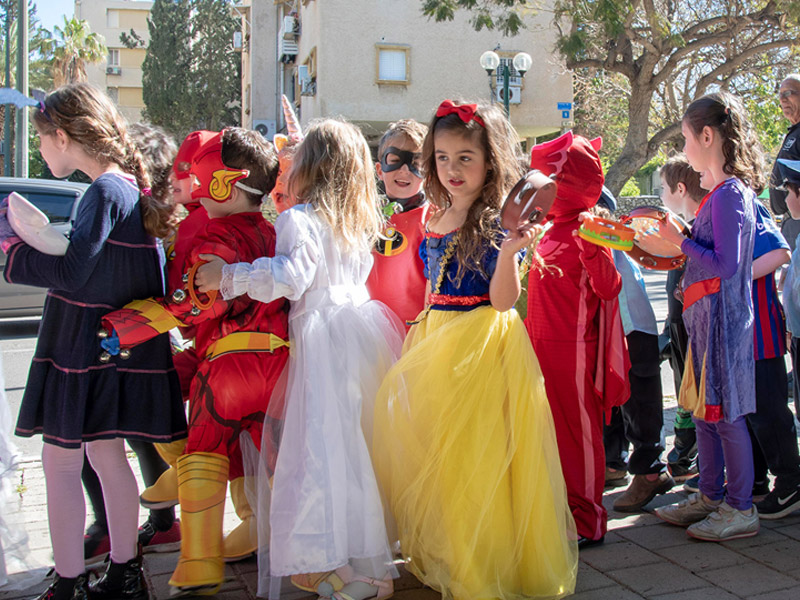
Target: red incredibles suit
(574,323)
(240,344)
(397,278)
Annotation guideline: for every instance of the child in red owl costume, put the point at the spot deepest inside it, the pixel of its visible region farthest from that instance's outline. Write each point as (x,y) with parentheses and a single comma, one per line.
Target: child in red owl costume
(573,321)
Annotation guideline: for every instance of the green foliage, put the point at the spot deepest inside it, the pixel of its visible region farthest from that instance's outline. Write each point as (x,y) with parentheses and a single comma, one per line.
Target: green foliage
(167,67)
(39,46)
(501,15)
(192,81)
(74,46)
(132,40)
(217,66)
(631,188)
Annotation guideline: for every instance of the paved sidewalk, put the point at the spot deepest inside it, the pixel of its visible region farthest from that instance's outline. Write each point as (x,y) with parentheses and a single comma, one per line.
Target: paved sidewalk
(642,558)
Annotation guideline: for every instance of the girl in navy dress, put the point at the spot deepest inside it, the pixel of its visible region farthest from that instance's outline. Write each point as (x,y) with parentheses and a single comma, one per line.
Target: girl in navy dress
(72,397)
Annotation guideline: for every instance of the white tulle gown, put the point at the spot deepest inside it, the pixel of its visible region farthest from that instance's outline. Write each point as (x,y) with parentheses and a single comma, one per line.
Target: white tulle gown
(325,509)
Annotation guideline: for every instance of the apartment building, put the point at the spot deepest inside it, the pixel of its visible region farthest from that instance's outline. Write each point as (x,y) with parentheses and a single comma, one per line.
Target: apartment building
(121,74)
(376,61)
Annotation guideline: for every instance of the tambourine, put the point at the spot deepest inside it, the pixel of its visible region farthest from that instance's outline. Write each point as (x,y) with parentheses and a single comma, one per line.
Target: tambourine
(529,201)
(33,226)
(605,232)
(653,251)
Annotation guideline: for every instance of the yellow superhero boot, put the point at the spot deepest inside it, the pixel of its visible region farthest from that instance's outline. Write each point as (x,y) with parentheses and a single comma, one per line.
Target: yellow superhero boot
(202,482)
(164,492)
(243,540)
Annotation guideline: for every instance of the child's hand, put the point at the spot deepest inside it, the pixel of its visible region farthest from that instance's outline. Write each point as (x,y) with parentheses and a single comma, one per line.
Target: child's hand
(584,216)
(664,233)
(521,238)
(209,275)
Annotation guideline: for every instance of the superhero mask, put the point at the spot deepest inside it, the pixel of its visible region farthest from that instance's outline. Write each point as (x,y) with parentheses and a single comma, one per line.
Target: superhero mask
(183,159)
(211,178)
(573,161)
(403,157)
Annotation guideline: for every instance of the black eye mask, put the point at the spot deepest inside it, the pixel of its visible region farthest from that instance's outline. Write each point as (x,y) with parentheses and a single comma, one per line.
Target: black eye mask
(404,158)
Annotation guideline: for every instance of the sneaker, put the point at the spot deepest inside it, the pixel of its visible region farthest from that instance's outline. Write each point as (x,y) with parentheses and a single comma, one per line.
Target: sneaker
(692,485)
(760,490)
(616,478)
(642,491)
(726,523)
(96,544)
(153,540)
(777,504)
(689,511)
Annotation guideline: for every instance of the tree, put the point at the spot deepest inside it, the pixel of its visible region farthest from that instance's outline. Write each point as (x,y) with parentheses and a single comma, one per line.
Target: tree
(75,46)
(167,67)
(665,53)
(217,67)
(191,81)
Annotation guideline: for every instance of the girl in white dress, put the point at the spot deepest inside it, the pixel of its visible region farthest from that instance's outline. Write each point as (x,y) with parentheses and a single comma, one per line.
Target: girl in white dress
(326,516)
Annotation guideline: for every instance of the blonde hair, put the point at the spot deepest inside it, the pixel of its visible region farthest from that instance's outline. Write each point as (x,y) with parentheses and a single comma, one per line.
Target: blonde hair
(333,171)
(90,119)
(499,141)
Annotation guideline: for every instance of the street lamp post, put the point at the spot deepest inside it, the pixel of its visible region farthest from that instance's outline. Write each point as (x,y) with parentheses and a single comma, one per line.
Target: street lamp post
(490,61)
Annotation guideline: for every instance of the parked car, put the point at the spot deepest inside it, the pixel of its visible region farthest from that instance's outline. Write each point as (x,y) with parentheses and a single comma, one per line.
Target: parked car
(59,201)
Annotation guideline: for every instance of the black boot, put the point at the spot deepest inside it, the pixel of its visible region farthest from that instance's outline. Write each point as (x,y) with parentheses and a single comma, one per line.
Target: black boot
(120,582)
(66,588)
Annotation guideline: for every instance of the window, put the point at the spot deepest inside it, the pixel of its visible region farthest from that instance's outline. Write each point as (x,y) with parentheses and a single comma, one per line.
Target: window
(113,58)
(392,67)
(112,19)
(113,93)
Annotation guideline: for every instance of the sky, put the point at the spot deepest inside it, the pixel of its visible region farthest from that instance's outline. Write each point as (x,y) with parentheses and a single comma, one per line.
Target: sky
(51,12)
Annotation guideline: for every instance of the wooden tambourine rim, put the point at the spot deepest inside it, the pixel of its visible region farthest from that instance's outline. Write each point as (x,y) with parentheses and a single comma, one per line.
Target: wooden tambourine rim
(652,261)
(509,205)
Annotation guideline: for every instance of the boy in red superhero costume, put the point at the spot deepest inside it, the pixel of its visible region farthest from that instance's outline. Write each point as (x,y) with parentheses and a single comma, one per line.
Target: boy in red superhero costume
(241,345)
(397,278)
(574,323)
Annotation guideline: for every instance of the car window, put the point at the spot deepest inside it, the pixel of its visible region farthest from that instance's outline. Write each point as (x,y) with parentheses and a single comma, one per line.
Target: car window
(57,206)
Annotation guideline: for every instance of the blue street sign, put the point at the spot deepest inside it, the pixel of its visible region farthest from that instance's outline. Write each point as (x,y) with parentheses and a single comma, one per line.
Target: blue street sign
(565,114)
(565,106)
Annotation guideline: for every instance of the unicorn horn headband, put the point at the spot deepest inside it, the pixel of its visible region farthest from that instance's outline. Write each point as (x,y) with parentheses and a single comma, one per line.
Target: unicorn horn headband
(292,123)
(295,132)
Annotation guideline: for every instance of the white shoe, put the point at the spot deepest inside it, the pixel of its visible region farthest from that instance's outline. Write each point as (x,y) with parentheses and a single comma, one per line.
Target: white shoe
(726,523)
(693,509)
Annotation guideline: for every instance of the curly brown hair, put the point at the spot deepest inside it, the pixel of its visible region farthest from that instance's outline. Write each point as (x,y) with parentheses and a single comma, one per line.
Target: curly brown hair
(741,149)
(90,119)
(500,144)
(158,150)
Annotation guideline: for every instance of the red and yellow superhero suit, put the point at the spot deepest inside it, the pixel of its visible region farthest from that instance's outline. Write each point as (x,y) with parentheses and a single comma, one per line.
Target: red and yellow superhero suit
(241,350)
(397,278)
(573,321)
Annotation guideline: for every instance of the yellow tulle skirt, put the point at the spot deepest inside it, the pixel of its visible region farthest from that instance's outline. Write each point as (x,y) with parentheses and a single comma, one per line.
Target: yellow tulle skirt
(465,453)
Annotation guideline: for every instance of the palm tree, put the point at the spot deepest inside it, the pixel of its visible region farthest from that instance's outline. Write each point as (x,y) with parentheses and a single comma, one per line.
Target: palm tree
(75,47)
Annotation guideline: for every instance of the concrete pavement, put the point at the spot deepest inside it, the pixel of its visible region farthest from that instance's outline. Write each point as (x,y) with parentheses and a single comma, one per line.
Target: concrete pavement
(641,558)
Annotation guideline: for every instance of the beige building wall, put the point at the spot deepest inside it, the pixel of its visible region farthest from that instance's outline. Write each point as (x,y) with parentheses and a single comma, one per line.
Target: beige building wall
(121,73)
(339,42)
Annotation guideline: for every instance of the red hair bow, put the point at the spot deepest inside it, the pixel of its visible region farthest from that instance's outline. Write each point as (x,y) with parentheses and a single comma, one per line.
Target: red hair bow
(466,112)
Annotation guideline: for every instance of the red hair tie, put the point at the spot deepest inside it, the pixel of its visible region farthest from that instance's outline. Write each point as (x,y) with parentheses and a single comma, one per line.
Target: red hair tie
(147,192)
(466,112)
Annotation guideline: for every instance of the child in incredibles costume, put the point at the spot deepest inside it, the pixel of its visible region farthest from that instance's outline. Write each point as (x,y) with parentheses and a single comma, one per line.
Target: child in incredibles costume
(242,345)
(397,278)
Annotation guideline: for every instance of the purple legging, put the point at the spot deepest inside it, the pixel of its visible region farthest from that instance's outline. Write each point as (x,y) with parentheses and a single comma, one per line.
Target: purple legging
(66,508)
(725,445)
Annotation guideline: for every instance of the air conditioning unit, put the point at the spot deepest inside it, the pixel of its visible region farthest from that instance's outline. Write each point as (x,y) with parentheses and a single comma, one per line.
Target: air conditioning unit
(113,71)
(308,87)
(290,28)
(288,51)
(265,127)
(514,94)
